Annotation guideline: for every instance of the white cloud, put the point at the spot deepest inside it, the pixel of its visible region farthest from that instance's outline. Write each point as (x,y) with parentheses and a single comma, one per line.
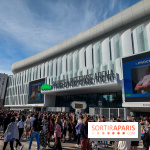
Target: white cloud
(37,35)
(6,72)
(113,5)
(38,25)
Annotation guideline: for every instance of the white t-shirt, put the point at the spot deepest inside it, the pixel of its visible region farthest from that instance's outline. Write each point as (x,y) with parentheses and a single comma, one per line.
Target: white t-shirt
(124,145)
(20,124)
(28,123)
(32,119)
(145,81)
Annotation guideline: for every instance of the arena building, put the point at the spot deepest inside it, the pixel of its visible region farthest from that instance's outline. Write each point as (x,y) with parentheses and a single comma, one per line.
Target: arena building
(87,67)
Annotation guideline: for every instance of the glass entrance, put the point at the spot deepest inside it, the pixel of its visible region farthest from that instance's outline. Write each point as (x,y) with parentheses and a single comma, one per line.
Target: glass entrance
(102,100)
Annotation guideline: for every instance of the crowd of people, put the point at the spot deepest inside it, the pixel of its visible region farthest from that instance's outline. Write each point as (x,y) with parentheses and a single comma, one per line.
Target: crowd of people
(54,126)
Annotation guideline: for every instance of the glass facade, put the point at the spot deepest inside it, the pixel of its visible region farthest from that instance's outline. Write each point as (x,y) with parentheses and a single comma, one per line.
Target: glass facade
(103,100)
(104,55)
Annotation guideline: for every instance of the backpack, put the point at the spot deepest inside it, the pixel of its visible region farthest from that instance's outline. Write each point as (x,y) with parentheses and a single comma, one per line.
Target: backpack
(146,140)
(38,126)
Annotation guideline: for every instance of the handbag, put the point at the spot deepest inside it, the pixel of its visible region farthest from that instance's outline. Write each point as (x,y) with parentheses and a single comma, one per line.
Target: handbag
(54,148)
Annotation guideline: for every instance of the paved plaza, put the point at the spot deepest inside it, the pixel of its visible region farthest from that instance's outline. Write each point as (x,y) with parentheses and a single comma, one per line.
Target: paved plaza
(65,146)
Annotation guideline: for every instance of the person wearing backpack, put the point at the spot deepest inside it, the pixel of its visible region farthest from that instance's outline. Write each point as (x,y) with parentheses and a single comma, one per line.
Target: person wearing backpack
(35,131)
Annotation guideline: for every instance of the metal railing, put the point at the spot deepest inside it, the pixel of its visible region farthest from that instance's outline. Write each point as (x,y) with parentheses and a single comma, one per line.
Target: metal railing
(108,112)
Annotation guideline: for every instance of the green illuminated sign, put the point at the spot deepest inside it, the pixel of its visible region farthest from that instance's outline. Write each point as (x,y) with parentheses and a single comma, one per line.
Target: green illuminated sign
(46,87)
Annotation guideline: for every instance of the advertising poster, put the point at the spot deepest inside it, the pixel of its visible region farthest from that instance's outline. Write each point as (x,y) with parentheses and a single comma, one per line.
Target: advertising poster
(35,96)
(136,73)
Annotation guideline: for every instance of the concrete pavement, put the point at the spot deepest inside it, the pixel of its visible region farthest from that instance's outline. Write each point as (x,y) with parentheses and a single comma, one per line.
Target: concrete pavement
(65,146)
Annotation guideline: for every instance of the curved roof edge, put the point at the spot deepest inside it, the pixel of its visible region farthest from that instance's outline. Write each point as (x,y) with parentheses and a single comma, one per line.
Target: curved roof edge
(127,16)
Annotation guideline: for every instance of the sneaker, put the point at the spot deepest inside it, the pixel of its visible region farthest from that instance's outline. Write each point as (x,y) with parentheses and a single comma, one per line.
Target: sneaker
(15,148)
(21,147)
(43,148)
(36,147)
(76,145)
(48,144)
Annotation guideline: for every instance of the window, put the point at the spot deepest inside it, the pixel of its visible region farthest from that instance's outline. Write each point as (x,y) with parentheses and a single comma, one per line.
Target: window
(85,57)
(92,57)
(103,100)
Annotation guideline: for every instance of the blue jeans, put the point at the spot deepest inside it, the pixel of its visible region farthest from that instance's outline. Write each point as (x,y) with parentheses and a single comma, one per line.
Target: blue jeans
(105,143)
(34,134)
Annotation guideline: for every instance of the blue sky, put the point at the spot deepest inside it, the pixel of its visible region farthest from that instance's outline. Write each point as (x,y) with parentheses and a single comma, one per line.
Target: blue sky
(31,26)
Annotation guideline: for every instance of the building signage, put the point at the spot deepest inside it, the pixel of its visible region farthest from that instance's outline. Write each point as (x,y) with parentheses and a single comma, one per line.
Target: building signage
(46,87)
(100,77)
(136,78)
(78,105)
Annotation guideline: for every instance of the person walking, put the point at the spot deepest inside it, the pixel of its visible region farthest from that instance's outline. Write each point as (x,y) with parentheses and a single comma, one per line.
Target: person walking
(146,138)
(35,131)
(6,121)
(134,144)
(44,133)
(27,126)
(57,133)
(85,143)
(105,142)
(74,123)
(20,126)
(1,120)
(65,125)
(70,128)
(124,145)
(32,119)
(11,134)
(78,127)
(51,128)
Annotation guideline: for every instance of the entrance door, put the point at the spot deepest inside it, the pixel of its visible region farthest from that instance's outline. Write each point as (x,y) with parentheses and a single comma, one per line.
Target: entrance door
(37,108)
